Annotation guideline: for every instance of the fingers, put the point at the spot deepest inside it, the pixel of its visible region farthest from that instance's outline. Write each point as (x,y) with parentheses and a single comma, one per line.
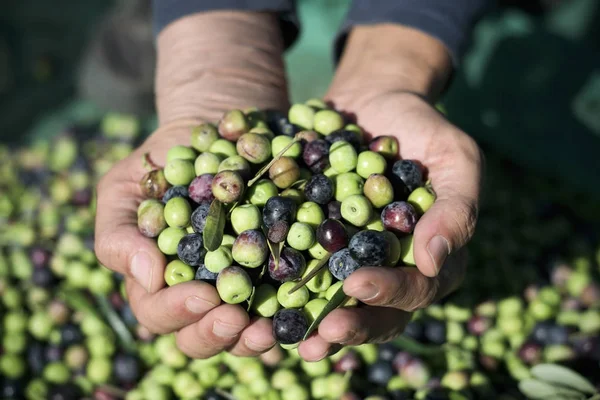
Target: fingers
(450,223)
(172,308)
(405,288)
(118,243)
(121,247)
(401,288)
(353,326)
(218,330)
(314,348)
(256,339)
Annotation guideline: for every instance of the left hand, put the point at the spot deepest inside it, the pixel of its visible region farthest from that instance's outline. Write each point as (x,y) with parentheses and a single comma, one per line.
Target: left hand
(386,105)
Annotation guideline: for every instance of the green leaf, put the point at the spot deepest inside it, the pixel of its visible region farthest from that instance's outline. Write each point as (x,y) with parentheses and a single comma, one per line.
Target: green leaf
(537,389)
(313,272)
(414,347)
(562,376)
(215,225)
(580,396)
(116,324)
(337,299)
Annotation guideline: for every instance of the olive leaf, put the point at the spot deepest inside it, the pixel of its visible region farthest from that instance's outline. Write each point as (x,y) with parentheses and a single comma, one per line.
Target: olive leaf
(123,333)
(414,347)
(537,389)
(337,299)
(251,299)
(313,272)
(215,225)
(264,169)
(562,376)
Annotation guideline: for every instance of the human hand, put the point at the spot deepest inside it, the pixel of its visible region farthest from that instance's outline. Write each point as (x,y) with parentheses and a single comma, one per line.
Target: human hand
(385,103)
(190,89)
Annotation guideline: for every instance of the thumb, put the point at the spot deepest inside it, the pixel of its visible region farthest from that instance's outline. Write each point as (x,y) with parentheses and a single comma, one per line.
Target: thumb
(450,223)
(122,248)
(119,245)
(445,228)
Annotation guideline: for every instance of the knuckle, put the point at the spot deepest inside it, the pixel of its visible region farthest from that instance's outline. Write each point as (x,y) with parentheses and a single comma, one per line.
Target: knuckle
(102,249)
(466,218)
(146,318)
(109,250)
(426,290)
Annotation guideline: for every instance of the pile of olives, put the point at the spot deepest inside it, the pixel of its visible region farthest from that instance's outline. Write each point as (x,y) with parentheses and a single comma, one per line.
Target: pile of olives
(286,196)
(532,296)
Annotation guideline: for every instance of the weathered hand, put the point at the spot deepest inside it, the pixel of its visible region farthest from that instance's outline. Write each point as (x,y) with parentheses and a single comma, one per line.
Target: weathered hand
(454,162)
(187,94)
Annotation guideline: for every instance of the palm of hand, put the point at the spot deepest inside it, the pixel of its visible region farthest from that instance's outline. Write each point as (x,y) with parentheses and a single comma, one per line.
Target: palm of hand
(203,326)
(452,161)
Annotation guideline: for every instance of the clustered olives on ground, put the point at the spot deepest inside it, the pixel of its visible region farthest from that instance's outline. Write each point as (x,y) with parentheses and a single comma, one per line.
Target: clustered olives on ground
(299,191)
(67,332)
(56,344)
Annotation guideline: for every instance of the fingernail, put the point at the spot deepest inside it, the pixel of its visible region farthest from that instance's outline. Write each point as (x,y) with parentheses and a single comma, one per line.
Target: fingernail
(226,330)
(364,292)
(438,249)
(141,269)
(197,305)
(257,347)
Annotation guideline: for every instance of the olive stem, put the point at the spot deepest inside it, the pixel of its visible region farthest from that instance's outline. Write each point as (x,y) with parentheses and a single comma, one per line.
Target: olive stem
(148,163)
(233,208)
(270,245)
(264,169)
(322,262)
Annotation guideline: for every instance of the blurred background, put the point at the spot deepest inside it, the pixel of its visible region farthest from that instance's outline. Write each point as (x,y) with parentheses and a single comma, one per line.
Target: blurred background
(529,87)
(528,90)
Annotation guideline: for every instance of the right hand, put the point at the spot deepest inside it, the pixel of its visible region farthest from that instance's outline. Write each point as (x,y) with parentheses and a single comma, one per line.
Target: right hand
(193,309)
(191,88)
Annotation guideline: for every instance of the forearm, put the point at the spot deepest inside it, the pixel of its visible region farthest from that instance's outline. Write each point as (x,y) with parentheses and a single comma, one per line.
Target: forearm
(214,61)
(391,58)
